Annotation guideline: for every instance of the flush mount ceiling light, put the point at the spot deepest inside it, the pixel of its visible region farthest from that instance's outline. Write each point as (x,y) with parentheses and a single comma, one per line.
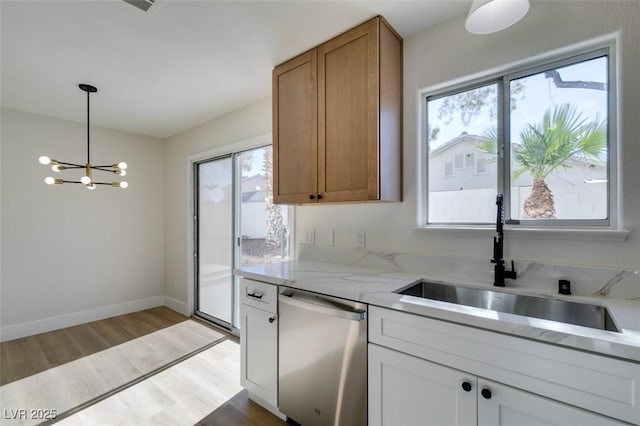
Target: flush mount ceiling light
(490,16)
(86,180)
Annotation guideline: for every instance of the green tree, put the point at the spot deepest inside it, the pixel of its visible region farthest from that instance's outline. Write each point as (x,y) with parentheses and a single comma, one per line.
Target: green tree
(467,105)
(544,147)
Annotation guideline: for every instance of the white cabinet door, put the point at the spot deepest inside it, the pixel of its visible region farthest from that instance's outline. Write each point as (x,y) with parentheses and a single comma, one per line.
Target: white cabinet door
(409,391)
(259,359)
(500,405)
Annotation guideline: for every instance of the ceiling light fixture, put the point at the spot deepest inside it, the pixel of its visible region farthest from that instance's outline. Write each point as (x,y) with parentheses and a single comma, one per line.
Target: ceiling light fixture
(86,180)
(491,16)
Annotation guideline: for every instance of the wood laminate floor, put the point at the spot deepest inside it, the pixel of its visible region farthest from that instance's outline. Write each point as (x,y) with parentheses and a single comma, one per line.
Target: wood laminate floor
(150,367)
(27,356)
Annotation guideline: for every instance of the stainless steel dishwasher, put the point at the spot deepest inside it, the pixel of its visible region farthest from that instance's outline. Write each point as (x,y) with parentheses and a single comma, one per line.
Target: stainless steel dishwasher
(322,359)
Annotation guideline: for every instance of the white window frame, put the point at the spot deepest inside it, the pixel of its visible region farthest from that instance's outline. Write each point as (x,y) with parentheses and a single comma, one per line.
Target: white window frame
(609,229)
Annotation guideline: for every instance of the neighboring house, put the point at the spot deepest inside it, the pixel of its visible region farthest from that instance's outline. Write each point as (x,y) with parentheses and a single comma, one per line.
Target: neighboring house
(254,217)
(457,164)
(461,175)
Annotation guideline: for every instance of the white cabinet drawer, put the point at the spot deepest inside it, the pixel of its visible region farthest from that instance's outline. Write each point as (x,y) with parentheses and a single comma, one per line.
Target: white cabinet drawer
(259,295)
(604,385)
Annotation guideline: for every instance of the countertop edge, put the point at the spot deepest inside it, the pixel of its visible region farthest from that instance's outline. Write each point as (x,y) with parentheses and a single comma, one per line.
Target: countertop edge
(624,345)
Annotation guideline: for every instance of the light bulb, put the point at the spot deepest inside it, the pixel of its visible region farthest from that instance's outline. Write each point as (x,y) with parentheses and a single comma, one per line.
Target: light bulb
(85,180)
(49,180)
(121,172)
(122,165)
(124,185)
(91,186)
(44,160)
(57,168)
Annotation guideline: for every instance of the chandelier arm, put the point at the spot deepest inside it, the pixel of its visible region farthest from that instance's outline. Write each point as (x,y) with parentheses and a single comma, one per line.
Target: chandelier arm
(103,168)
(103,183)
(72,181)
(106,166)
(71,165)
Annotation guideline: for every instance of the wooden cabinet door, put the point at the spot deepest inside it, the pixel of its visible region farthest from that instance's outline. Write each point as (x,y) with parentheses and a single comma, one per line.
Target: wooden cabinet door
(259,353)
(408,391)
(348,101)
(507,406)
(295,130)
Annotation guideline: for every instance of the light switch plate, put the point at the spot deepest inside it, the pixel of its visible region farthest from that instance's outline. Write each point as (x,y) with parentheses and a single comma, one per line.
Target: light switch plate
(309,236)
(361,238)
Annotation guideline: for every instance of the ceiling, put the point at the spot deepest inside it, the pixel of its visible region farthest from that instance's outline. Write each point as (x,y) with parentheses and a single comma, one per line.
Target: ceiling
(179,64)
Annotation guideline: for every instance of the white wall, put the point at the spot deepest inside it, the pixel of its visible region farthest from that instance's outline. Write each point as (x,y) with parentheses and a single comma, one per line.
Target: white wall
(70,254)
(447,53)
(236,126)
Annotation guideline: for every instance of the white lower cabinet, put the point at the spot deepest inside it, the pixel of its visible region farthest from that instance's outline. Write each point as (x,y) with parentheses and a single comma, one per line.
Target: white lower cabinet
(259,342)
(409,391)
(418,365)
(506,406)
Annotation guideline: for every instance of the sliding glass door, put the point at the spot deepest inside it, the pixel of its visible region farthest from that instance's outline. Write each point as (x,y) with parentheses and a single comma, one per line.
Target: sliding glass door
(237,224)
(215,239)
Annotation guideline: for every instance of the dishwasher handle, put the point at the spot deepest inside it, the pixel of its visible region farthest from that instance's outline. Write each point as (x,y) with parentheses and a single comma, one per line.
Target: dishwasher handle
(327,309)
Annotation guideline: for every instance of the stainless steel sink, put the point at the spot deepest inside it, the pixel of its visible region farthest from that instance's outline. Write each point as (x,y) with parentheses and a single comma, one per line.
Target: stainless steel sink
(584,314)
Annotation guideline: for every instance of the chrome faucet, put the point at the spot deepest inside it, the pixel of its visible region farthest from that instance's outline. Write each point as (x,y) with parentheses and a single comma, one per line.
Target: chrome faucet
(498,249)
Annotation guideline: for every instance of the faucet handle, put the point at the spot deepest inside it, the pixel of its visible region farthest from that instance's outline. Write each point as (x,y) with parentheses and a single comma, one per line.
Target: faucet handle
(512,274)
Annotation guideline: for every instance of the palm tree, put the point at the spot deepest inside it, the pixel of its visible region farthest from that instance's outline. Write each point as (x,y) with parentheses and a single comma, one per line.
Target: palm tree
(544,147)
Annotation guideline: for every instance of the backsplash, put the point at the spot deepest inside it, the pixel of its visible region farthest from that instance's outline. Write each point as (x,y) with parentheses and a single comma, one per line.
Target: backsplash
(535,277)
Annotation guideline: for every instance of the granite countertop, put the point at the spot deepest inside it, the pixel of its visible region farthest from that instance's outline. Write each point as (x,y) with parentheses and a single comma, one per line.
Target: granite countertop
(375,286)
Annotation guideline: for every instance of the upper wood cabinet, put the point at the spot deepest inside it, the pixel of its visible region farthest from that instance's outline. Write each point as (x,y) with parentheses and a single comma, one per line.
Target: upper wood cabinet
(337,119)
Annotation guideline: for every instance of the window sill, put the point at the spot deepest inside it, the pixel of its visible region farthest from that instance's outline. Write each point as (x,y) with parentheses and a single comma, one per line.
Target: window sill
(581,234)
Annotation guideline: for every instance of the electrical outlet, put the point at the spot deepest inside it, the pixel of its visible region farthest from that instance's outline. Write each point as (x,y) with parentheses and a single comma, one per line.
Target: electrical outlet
(361,237)
(328,238)
(309,236)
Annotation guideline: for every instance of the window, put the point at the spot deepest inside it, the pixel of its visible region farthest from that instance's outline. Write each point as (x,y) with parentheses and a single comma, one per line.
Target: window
(468,159)
(539,135)
(482,166)
(458,161)
(448,168)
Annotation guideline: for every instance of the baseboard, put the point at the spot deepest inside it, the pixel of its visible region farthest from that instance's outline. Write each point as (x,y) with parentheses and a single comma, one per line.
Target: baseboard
(177,305)
(16,331)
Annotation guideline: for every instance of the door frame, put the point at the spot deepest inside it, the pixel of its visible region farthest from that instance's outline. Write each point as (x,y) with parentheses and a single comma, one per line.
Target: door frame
(224,150)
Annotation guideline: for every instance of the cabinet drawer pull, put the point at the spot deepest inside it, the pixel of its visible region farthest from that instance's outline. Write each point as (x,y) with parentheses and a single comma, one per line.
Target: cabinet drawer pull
(312,197)
(271,320)
(319,197)
(486,393)
(466,386)
(255,295)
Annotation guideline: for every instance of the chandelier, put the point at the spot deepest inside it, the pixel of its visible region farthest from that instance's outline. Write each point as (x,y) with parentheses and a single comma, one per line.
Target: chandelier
(86,180)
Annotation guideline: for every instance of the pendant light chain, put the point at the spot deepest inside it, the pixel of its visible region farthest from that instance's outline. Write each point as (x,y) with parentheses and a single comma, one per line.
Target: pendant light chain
(88,132)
